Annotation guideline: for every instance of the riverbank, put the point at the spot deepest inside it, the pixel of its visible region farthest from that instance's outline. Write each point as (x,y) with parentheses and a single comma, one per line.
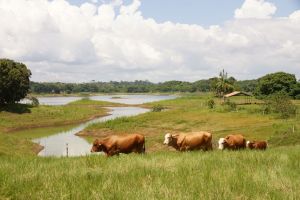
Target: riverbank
(22,116)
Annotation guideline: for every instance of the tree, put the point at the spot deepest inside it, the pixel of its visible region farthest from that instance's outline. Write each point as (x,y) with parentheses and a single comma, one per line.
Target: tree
(281,104)
(296,91)
(224,84)
(14,81)
(274,83)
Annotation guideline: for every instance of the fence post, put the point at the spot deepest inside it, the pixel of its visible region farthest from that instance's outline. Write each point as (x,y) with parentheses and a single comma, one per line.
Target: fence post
(67,148)
(293,128)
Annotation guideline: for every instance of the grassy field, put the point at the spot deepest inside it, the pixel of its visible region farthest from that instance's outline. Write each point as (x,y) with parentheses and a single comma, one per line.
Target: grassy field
(19,117)
(274,174)
(161,173)
(192,114)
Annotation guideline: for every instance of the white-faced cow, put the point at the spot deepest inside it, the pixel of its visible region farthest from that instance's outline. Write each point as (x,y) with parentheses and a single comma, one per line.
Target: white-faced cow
(232,142)
(189,141)
(257,145)
(113,145)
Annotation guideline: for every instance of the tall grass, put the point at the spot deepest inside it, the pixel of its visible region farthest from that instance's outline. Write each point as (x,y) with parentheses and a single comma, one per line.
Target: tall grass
(273,174)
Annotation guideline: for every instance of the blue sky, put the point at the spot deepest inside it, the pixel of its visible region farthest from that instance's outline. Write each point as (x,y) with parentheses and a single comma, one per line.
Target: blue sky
(201,12)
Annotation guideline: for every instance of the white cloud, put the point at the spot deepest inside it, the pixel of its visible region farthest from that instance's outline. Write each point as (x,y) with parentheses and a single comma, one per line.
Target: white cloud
(255,9)
(63,42)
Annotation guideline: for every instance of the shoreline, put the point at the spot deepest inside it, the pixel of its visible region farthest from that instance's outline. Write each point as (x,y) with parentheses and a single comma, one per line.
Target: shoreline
(12,130)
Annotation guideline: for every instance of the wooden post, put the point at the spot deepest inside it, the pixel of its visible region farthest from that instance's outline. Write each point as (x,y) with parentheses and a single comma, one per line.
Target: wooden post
(67,148)
(293,128)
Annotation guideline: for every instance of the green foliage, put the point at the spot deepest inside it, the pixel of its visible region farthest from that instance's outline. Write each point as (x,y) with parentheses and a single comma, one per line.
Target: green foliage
(230,106)
(223,84)
(296,91)
(274,83)
(281,104)
(247,85)
(157,108)
(14,81)
(211,103)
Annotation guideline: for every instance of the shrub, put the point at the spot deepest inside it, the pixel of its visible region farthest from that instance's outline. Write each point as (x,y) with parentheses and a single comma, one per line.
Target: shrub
(281,104)
(266,109)
(157,108)
(230,106)
(211,103)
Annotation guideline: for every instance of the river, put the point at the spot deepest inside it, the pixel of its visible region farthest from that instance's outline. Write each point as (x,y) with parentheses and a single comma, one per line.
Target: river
(67,143)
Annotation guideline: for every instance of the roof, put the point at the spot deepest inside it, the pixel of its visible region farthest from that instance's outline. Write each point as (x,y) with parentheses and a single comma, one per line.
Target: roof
(237,93)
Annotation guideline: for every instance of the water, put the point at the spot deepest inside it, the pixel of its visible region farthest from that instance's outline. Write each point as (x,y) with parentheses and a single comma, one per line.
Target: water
(56,145)
(54,101)
(132,99)
(126,99)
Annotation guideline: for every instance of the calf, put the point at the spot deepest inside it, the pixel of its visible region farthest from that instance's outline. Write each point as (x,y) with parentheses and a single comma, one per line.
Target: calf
(257,145)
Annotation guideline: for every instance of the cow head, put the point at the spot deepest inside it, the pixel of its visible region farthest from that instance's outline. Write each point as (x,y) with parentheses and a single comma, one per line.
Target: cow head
(222,143)
(250,144)
(168,139)
(97,146)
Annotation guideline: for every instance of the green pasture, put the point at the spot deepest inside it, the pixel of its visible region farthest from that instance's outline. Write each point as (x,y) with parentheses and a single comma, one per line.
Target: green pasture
(273,174)
(161,173)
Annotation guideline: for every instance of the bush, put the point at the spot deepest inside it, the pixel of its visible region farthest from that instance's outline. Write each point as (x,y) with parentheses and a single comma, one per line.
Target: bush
(211,103)
(230,106)
(297,97)
(157,108)
(266,109)
(281,104)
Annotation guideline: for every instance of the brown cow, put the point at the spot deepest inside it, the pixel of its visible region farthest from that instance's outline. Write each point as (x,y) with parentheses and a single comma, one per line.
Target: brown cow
(188,142)
(257,145)
(232,142)
(113,145)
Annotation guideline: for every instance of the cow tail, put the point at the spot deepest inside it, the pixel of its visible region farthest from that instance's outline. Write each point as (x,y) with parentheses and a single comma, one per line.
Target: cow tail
(144,148)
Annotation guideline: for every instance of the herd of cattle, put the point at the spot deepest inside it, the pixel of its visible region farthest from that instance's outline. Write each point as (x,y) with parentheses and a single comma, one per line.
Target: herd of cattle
(113,145)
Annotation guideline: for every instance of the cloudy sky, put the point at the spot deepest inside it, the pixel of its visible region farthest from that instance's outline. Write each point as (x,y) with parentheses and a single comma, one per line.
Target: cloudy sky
(155,40)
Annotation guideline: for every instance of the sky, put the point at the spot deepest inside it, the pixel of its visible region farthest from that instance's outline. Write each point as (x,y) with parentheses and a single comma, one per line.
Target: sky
(188,40)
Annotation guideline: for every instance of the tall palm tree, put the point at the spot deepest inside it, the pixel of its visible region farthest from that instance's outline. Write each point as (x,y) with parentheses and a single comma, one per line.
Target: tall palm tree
(223,85)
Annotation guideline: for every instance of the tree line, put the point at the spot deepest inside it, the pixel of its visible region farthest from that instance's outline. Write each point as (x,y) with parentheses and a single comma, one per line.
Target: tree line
(138,86)
(15,85)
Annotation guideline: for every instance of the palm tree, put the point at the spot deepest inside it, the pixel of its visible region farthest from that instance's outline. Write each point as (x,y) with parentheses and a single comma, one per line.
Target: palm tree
(223,84)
